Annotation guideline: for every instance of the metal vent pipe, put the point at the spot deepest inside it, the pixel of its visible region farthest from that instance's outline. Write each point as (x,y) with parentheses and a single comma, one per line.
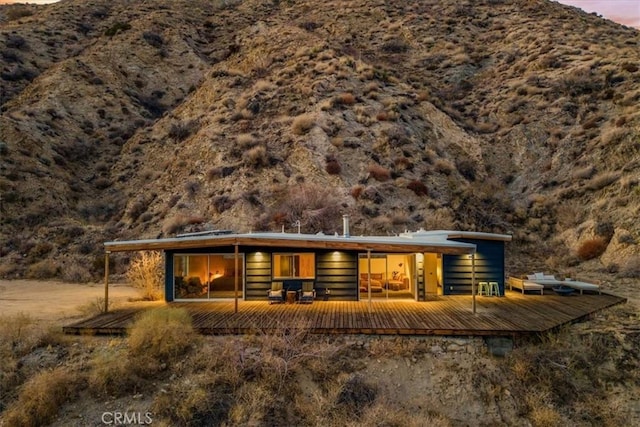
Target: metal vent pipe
(345,225)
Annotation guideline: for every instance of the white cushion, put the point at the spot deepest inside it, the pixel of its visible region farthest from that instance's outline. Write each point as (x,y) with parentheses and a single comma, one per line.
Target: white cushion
(531,276)
(307,294)
(539,275)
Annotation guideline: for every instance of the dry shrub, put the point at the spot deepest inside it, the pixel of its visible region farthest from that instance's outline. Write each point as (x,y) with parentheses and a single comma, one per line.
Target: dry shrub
(583,173)
(467,168)
(602,180)
(332,165)
(174,224)
(41,397)
(17,12)
(246,140)
(146,273)
(303,124)
(382,116)
(418,188)
(45,269)
(160,337)
(256,156)
(111,373)
(188,402)
(76,273)
(356,394)
(94,307)
(543,415)
(443,166)
(317,207)
(356,191)
(631,268)
(379,173)
(344,99)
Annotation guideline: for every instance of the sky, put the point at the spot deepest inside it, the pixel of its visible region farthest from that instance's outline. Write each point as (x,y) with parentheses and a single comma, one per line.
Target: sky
(626,12)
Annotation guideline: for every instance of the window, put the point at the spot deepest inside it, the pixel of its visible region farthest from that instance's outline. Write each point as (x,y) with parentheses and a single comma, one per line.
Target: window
(206,276)
(299,266)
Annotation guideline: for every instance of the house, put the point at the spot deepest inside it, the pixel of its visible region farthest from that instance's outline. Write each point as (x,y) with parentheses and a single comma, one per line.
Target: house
(412,265)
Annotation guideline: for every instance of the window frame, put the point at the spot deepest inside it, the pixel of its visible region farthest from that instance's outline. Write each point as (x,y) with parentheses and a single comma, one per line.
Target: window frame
(274,276)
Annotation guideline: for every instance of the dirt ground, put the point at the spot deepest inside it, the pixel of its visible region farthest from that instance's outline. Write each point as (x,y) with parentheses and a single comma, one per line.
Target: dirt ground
(54,301)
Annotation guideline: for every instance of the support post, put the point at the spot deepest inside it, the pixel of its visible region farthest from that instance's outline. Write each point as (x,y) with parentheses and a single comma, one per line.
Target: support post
(106,281)
(369,277)
(235,281)
(473,281)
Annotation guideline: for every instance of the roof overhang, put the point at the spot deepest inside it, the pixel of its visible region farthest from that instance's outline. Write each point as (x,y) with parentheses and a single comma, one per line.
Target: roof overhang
(435,243)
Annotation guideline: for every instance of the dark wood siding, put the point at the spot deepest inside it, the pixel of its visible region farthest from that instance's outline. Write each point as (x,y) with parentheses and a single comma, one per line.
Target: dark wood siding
(168,276)
(456,269)
(257,275)
(420,273)
(337,271)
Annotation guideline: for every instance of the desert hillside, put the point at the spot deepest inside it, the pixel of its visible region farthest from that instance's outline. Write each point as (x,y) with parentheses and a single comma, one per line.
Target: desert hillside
(123,119)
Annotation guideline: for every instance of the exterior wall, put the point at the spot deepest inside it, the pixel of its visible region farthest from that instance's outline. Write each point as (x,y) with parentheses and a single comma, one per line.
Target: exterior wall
(257,274)
(337,271)
(168,276)
(420,275)
(456,269)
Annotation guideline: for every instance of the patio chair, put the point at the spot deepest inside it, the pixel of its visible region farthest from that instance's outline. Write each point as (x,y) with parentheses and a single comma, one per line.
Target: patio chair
(276,293)
(307,294)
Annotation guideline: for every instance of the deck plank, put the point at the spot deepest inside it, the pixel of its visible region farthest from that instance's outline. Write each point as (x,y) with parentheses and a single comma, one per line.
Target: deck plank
(515,314)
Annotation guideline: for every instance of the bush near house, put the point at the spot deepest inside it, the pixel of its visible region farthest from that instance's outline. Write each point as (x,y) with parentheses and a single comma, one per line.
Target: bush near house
(592,248)
(145,273)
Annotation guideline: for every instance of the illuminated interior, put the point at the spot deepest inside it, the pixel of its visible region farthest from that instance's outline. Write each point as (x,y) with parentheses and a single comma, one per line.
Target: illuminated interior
(294,266)
(392,276)
(206,276)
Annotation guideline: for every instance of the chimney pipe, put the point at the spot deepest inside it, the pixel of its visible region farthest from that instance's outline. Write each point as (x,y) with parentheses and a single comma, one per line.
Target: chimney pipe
(345,225)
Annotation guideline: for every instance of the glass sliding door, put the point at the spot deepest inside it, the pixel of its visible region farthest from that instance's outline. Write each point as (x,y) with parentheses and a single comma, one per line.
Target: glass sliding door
(392,276)
(206,276)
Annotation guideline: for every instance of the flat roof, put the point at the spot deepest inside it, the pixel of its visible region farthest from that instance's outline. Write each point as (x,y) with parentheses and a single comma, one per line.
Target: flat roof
(437,241)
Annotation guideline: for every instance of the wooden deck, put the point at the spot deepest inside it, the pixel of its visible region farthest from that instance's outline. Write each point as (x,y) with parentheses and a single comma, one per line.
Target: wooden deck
(513,315)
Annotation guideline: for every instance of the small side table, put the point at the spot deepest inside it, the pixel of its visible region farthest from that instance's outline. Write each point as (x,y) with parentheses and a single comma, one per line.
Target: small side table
(291,297)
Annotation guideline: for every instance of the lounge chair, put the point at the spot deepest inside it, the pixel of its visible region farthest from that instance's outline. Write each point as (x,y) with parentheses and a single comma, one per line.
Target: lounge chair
(547,280)
(524,285)
(581,286)
(307,293)
(276,293)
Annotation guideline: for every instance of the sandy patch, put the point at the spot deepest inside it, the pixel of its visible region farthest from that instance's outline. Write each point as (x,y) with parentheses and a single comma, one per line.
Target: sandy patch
(55,301)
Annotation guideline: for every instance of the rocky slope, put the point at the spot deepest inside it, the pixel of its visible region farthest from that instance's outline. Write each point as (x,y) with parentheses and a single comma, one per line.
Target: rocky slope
(125,119)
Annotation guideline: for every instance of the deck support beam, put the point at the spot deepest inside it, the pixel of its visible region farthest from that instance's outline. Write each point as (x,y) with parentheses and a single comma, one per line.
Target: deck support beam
(235,281)
(369,277)
(106,281)
(473,282)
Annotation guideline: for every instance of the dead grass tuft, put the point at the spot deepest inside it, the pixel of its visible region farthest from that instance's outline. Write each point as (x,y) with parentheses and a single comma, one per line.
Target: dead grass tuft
(45,269)
(379,173)
(41,397)
(303,124)
(111,373)
(159,337)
